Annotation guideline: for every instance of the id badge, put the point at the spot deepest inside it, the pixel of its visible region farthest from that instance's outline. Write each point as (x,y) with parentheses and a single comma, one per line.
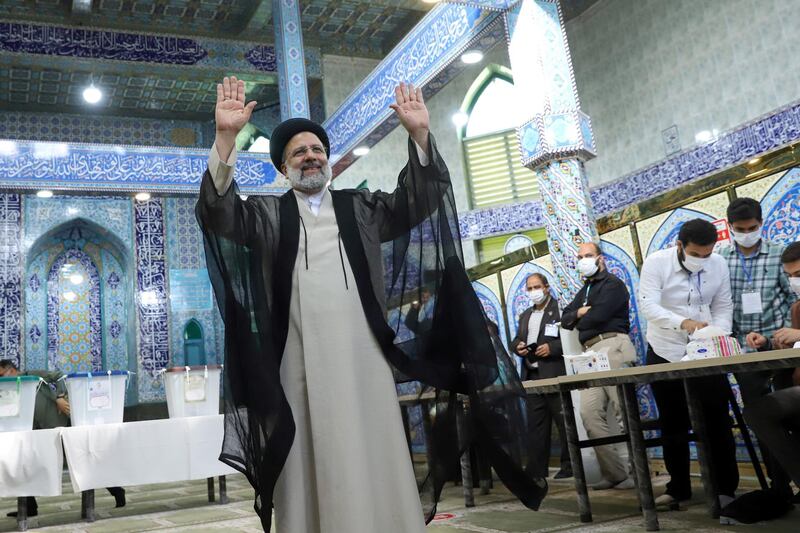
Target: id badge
(751,303)
(550,330)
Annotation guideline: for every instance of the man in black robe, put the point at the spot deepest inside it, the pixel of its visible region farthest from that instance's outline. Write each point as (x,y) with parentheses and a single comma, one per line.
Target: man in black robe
(261,254)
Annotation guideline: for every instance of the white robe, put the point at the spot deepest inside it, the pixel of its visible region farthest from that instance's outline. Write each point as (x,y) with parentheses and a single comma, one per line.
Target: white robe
(349,470)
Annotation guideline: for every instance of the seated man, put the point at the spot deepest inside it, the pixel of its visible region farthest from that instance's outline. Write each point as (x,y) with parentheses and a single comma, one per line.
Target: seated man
(538,330)
(51,411)
(775,418)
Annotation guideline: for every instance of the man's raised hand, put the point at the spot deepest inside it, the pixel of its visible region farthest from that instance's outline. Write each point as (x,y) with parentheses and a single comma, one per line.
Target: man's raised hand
(231,113)
(410,109)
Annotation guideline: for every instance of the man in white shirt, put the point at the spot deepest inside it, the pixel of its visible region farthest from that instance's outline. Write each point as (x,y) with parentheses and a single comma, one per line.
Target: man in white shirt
(682,289)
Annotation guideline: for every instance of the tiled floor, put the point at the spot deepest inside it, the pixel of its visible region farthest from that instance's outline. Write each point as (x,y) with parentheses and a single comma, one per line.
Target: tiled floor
(184,507)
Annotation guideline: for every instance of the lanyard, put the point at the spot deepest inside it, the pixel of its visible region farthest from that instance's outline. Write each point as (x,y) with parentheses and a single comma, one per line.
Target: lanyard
(586,297)
(698,284)
(747,272)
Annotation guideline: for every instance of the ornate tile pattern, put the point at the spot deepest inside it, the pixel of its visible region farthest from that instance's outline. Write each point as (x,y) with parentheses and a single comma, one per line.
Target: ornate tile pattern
(442,35)
(26,165)
(151,297)
(761,135)
(99,44)
(50,127)
(74,330)
(569,221)
(492,308)
(290,59)
(781,206)
(185,251)
(10,275)
(502,219)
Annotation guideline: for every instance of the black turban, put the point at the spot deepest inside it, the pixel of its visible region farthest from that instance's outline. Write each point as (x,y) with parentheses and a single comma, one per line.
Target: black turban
(287,129)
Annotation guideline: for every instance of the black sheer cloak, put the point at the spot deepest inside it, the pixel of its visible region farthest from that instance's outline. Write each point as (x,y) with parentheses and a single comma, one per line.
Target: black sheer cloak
(398,244)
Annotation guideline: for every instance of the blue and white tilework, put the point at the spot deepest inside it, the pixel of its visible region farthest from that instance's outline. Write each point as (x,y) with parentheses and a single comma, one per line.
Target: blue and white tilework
(10,275)
(442,35)
(502,219)
(98,44)
(782,207)
(667,233)
(74,325)
(555,135)
(26,165)
(492,308)
(737,146)
(144,48)
(290,59)
(96,129)
(151,298)
(185,252)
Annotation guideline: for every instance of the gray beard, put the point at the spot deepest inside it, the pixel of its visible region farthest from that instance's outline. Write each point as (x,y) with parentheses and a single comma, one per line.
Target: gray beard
(309,183)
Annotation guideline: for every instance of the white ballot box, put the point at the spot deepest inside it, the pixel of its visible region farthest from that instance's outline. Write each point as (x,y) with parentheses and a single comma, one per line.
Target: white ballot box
(192,390)
(17,402)
(97,397)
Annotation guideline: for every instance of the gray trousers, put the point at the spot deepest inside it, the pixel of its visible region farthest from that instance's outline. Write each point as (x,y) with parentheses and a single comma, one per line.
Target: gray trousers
(775,419)
(601,413)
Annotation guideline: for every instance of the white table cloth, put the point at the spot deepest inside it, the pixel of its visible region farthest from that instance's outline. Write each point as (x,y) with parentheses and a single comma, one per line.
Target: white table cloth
(138,453)
(31,463)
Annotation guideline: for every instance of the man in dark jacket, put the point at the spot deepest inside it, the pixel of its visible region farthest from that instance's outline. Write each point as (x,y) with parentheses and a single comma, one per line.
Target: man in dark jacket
(600,314)
(539,346)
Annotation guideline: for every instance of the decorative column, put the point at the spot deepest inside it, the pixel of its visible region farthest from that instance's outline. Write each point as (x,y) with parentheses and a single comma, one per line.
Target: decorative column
(290,59)
(556,138)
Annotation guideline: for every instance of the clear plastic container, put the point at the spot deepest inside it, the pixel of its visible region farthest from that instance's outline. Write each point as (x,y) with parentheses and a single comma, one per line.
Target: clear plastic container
(17,402)
(97,397)
(192,390)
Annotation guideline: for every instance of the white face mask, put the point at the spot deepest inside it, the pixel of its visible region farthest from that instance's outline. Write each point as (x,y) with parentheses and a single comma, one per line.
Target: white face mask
(694,264)
(794,283)
(588,266)
(748,240)
(537,296)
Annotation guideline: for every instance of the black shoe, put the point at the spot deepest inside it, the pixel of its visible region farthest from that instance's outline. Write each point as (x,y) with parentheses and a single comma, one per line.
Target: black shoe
(119,495)
(564,473)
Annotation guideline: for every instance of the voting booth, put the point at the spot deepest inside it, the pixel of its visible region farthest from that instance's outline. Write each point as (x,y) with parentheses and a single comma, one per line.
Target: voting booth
(97,397)
(17,402)
(192,390)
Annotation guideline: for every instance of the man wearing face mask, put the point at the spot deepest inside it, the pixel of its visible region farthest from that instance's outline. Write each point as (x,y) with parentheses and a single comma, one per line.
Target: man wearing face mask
(771,416)
(600,314)
(538,344)
(761,299)
(681,289)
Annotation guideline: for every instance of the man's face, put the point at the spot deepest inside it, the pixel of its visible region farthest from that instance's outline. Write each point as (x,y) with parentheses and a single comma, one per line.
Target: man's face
(534,283)
(589,250)
(746,226)
(305,163)
(425,296)
(9,372)
(792,269)
(696,250)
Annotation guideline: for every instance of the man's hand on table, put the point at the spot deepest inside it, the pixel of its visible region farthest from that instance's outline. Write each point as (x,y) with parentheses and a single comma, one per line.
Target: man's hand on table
(691,326)
(756,340)
(787,337)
